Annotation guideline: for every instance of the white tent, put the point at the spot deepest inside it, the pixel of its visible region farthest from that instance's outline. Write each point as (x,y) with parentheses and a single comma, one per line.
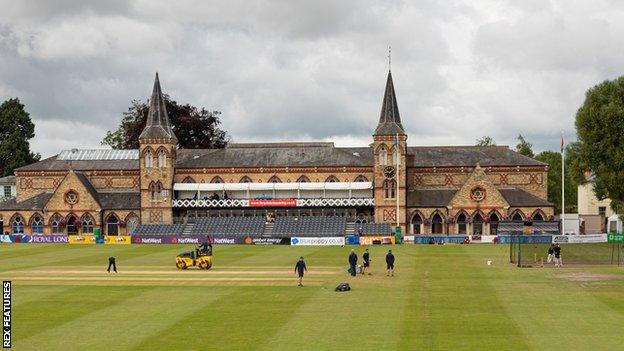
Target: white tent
(614,224)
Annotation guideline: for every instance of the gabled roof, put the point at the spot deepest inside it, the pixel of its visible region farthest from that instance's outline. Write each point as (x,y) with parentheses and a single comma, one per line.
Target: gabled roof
(120,201)
(278,155)
(430,197)
(157,125)
(35,203)
(520,198)
(468,156)
(88,186)
(389,118)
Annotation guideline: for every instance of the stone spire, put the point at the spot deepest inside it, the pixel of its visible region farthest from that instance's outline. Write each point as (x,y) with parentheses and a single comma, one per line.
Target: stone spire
(389,119)
(157,125)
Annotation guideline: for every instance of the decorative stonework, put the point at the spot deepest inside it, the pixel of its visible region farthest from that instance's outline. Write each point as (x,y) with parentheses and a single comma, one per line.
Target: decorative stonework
(389,215)
(477,194)
(71,197)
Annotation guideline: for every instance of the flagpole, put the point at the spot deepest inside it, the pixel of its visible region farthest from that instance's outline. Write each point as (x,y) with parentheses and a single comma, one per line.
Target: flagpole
(562,187)
(397,178)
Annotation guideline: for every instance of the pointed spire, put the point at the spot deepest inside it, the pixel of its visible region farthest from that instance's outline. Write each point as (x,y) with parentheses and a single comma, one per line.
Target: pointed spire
(157,125)
(389,119)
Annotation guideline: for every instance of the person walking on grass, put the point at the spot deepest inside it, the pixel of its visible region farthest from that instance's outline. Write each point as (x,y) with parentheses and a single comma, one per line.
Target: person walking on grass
(353,263)
(366,258)
(300,267)
(557,253)
(390,263)
(551,251)
(111,263)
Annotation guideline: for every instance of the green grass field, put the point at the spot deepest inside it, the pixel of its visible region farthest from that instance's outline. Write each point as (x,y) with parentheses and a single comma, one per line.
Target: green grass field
(442,298)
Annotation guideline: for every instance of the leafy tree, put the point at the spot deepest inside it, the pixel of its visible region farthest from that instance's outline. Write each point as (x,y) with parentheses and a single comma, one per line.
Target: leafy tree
(554,181)
(486,141)
(600,129)
(16,128)
(524,147)
(195,128)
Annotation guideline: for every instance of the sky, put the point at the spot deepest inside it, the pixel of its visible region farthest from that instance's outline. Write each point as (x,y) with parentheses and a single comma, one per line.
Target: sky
(288,70)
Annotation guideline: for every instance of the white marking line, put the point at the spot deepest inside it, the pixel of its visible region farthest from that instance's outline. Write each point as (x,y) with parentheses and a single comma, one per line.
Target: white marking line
(147,279)
(170,272)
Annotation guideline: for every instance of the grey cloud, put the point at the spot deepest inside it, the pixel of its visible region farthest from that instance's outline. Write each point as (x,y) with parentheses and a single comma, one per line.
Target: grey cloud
(290,70)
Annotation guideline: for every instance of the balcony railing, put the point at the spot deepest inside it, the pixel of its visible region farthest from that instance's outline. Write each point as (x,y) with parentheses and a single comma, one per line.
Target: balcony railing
(319,202)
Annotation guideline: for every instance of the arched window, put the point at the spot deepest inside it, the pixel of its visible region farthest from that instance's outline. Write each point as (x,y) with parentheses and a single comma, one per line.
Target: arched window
(416,224)
(303,179)
(389,187)
(162,158)
(112,225)
(36,225)
(87,224)
(149,159)
(216,180)
(18,225)
(332,179)
(156,190)
(383,156)
(188,180)
(1,225)
(461,223)
(538,216)
(246,179)
(494,219)
(131,223)
(477,224)
(394,155)
(437,226)
(56,224)
(361,178)
(274,179)
(517,217)
(72,225)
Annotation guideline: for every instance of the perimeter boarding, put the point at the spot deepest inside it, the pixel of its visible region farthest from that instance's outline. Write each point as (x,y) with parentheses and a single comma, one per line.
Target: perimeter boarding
(541,250)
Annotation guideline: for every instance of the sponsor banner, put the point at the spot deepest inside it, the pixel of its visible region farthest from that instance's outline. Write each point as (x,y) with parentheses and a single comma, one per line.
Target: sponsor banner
(488,239)
(408,239)
(5,239)
(49,239)
(439,239)
(615,238)
(525,239)
(266,241)
(117,240)
(273,203)
(317,241)
(377,240)
(579,239)
(81,239)
(190,239)
(352,240)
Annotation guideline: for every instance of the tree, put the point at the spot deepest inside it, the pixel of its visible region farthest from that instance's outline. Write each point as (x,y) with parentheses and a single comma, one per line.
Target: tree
(195,128)
(524,147)
(600,130)
(16,128)
(553,159)
(486,141)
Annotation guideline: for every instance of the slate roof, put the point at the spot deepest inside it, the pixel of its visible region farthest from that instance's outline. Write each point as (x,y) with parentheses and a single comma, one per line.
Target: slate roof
(157,125)
(37,202)
(468,156)
(281,155)
(389,118)
(8,180)
(430,197)
(520,198)
(305,155)
(120,201)
(53,164)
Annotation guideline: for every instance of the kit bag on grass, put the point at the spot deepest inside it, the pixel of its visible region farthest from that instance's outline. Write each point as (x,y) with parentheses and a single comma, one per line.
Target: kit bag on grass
(343,287)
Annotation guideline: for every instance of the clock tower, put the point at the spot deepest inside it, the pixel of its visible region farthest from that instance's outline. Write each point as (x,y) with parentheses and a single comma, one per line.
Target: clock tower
(390,150)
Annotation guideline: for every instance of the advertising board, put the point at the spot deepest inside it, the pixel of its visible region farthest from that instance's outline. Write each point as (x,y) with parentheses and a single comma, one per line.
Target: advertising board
(317,241)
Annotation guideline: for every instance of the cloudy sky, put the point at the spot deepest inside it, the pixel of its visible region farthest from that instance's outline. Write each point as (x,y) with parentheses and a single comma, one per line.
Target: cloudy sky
(293,70)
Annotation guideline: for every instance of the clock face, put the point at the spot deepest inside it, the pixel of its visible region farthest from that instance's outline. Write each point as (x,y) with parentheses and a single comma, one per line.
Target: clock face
(389,172)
